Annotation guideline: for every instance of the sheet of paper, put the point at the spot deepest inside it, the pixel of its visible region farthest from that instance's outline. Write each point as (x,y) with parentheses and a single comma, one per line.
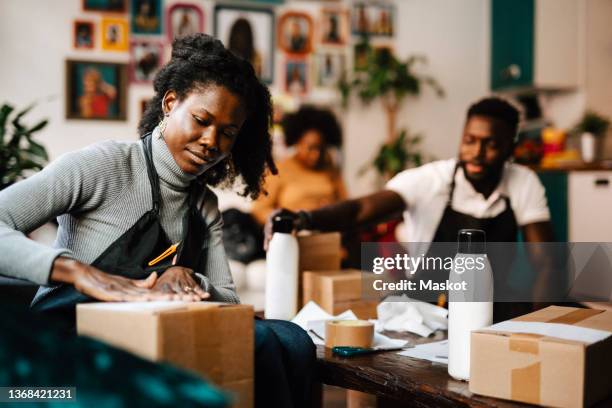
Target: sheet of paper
(312,319)
(436,352)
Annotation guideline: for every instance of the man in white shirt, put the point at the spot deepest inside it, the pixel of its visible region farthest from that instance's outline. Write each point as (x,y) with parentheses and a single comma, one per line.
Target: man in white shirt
(480,189)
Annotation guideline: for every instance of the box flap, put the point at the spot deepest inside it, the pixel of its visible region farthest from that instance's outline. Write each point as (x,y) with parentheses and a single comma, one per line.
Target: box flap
(155,307)
(135,307)
(556,330)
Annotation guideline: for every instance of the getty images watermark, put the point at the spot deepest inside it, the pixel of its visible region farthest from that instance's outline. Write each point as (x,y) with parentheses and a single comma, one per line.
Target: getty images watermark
(410,265)
(508,271)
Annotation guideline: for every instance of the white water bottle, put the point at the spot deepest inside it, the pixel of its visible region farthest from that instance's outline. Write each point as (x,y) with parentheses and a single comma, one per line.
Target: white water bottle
(470,308)
(282,271)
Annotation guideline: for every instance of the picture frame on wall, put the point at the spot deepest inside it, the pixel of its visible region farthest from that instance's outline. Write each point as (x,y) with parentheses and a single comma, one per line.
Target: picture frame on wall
(108,6)
(146,17)
(295,31)
(95,90)
(184,19)
(84,35)
(361,52)
(114,34)
(296,79)
(373,19)
(249,33)
(334,27)
(145,60)
(329,67)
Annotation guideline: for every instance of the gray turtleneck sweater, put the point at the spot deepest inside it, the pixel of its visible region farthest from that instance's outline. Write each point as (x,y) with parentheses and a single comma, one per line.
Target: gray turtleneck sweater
(97,194)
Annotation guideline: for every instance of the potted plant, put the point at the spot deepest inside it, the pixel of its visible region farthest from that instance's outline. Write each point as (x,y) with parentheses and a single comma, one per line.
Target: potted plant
(591,128)
(381,75)
(19,153)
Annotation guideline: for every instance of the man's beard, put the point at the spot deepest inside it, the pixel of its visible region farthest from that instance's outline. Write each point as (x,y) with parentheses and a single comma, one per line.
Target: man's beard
(490,174)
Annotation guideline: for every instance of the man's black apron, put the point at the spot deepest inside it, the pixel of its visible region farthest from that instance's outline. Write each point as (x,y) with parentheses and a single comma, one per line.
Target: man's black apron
(500,228)
(129,255)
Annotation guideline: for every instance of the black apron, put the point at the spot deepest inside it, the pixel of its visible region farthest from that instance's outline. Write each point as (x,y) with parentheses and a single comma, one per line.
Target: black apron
(500,228)
(130,254)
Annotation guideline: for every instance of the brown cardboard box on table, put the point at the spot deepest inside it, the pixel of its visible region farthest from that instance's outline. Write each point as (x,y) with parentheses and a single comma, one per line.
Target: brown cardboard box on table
(340,290)
(214,340)
(318,252)
(523,359)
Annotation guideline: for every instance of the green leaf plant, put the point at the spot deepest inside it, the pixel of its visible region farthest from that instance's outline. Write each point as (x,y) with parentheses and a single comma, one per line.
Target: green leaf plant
(19,153)
(381,75)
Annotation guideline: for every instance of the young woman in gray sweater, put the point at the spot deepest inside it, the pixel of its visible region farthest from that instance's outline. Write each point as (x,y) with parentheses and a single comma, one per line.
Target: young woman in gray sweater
(120,205)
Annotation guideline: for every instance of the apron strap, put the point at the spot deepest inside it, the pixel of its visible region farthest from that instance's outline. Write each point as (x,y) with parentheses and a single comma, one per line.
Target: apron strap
(152,174)
(449,202)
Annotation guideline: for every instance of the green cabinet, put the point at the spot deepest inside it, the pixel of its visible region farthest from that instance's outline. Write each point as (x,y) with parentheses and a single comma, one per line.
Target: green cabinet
(535,44)
(512,43)
(555,183)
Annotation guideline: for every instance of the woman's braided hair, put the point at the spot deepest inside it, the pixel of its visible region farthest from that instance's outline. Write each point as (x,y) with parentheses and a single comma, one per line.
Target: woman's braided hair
(197,61)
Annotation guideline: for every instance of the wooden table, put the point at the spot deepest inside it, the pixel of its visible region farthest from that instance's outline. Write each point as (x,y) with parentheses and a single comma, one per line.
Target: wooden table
(399,381)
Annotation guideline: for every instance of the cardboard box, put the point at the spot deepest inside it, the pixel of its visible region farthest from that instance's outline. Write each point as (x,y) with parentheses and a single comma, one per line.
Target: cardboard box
(214,340)
(340,290)
(557,356)
(318,252)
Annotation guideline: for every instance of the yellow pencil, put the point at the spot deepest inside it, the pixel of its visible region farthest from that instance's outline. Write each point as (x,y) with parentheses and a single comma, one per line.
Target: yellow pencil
(165,254)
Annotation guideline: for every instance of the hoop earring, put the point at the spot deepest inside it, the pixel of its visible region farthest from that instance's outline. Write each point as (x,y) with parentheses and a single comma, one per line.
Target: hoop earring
(162,125)
(229,164)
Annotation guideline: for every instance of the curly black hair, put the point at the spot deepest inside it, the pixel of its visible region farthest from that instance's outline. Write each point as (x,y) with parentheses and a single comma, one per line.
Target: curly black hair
(312,118)
(497,108)
(199,60)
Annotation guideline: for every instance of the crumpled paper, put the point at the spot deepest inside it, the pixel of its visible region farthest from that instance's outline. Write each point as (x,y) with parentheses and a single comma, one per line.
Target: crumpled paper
(402,314)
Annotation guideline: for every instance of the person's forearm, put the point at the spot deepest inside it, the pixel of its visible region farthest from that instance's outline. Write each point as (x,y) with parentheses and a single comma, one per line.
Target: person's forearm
(345,215)
(218,293)
(335,217)
(23,258)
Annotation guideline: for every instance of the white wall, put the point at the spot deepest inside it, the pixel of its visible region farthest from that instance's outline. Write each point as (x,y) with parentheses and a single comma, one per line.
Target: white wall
(454,35)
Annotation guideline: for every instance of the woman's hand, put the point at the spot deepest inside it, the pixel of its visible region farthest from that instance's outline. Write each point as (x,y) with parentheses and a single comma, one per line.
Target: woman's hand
(180,283)
(103,286)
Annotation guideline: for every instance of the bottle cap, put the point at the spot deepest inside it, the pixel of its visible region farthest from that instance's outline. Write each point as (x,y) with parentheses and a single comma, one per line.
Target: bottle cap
(471,241)
(282,224)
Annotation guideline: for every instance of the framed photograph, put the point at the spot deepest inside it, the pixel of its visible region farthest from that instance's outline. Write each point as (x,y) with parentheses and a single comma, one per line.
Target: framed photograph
(360,56)
(295,33)
(328,68)
(145,60)
(296,76)
(249,33)
(184,19)
(108,6)
(95,90)
(334,27)
(84,33)
(146,16)
(114,34)
(373,19)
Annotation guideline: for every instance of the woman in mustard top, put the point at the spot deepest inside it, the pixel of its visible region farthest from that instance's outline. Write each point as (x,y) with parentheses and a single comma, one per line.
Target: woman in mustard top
(308,179)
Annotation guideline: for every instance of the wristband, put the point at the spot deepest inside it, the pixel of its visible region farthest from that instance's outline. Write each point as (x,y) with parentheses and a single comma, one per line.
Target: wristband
(304,220)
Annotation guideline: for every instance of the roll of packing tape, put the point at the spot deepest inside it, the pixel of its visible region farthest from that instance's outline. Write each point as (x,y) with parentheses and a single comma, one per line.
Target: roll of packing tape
(351,333)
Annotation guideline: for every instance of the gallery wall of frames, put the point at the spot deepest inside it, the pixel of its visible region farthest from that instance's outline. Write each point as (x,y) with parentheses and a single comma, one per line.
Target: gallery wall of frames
(300,48)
